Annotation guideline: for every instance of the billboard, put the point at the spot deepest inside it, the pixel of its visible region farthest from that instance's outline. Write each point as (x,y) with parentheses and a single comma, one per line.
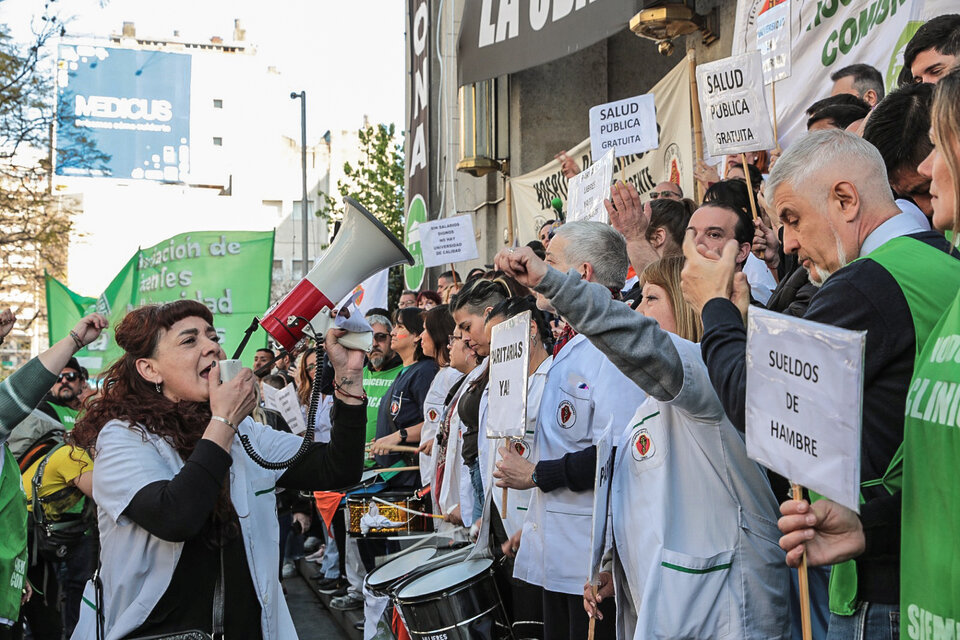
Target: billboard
(133,106)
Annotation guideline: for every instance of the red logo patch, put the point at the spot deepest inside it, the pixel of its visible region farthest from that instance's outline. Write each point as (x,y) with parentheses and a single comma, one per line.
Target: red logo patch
(643,447)
(643,444)
(566,414)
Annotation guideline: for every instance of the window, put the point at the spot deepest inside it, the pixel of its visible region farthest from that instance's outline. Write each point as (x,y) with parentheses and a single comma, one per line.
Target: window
(217,142)
(297,208)
(217,103)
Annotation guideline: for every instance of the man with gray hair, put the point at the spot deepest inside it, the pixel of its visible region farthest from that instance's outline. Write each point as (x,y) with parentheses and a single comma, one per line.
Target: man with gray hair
(830,190)
(583,394)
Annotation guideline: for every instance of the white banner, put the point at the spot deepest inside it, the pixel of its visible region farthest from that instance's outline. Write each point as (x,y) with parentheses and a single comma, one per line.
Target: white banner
(629,126)
(373,293)
(804,402)
(589,188)
(773,41)
(601,502)
(671,161)
(509,370)
(448,240)
(827,36)
(733,106)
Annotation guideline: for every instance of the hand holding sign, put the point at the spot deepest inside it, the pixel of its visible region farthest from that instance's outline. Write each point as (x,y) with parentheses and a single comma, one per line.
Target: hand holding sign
(827,532)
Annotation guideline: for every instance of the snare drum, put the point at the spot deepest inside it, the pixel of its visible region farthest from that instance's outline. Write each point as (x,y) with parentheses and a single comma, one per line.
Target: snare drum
(455,602)
(409,523)
(383,577)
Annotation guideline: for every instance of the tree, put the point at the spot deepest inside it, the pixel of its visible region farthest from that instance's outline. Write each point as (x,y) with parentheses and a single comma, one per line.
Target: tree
(35,220)
(376,182)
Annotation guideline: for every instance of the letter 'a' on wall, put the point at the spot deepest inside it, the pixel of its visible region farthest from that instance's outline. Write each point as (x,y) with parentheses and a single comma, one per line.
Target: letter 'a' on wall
(134,106)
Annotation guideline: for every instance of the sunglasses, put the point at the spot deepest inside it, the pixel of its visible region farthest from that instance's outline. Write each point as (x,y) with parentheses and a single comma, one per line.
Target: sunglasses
(68,377)
(381,336)
(663,194)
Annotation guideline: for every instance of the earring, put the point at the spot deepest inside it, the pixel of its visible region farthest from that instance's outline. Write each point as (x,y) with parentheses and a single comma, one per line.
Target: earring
(157,385)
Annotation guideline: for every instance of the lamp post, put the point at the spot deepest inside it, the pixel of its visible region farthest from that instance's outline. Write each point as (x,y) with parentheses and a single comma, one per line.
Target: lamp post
(303,168)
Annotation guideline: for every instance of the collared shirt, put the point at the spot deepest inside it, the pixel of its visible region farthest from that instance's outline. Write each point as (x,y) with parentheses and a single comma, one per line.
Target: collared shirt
(902,224)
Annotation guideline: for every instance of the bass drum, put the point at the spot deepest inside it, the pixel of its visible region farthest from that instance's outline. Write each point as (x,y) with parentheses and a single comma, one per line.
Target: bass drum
(456,602)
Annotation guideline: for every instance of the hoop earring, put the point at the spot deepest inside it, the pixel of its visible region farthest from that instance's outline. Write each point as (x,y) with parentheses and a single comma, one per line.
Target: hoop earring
(157,385)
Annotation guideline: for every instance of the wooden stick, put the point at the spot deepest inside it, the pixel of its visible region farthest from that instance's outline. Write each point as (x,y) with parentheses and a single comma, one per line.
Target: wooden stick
(697,121)
(746,173)
(503,501)
(397,447)
(384,469)
(773,96)
(802,576)
(593,621)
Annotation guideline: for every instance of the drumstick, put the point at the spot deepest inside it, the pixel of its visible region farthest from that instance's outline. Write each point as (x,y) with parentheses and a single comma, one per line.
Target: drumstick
(382,469)
(396,447)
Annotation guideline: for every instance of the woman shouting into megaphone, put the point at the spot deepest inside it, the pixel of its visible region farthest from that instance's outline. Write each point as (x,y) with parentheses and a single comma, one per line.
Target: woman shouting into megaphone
(187,520)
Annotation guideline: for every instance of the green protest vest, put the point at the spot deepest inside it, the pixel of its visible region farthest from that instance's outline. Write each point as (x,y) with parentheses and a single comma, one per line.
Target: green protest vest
(376,384)
(929,279)
(13,537)
(68,416)
(929,553)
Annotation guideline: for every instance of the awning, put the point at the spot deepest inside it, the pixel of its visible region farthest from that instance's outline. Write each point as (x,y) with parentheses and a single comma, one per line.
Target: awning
(505,36)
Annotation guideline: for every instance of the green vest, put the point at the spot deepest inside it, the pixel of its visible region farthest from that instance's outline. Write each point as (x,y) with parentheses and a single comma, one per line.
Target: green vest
(68,416)
(376,384)
(929,279)
(929,553)
(13,541)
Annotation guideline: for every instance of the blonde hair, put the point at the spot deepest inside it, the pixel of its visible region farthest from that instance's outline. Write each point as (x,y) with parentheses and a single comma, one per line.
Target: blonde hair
(945,121)
(665,273)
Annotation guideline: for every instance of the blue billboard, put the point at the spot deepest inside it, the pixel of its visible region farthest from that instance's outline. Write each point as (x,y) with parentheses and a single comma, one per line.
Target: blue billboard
(131,107)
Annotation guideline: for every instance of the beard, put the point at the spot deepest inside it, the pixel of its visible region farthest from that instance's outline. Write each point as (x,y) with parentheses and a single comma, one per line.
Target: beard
(818,275)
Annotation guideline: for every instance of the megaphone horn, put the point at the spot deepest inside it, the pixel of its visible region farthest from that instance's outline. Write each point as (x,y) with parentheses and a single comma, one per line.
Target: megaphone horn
(363,247)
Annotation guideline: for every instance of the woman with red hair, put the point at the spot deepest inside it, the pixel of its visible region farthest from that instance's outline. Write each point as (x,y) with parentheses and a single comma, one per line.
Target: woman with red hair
(187,520)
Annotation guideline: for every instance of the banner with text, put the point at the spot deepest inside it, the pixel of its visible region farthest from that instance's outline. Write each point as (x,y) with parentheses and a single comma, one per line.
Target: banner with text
(228,271)
(417,139)
(672,160)
(827,36)
(601,503)
(629,126)
(448,240)
(804,402)
(773,40)
(589,188)
(509,370)
(733,105)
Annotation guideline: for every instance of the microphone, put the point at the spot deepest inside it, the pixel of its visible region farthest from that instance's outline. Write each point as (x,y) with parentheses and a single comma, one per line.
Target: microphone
(557,205)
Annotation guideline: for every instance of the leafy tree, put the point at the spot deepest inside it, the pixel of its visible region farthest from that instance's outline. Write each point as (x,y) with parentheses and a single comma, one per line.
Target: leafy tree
(35,220)
(376,182)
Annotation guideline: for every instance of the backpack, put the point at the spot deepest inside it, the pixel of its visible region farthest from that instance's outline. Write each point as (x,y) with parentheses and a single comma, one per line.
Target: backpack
(54,539)
(34,436)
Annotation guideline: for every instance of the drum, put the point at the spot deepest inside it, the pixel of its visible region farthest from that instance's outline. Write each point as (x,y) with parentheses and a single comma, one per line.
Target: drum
(406,523)
(456,602)
(383,577)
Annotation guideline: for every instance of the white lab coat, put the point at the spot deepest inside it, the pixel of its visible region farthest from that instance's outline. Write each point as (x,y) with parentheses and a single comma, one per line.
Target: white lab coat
(694,523)
(583,391)
(456,473)
(137,567)
(518,500)
(432,411)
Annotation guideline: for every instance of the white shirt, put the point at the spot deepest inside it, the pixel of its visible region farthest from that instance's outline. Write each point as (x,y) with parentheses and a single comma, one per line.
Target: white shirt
(432,411)
(762,282)
(136,567)
(518,500)
(582,394)
(694,523)
(902,224)
(452,495)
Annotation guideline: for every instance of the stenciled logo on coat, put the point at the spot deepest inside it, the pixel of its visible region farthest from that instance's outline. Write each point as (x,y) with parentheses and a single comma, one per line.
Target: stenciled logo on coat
(566,414)
(642,445)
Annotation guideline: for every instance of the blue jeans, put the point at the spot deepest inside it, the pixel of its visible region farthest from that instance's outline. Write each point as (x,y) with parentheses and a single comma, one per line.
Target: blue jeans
(477,481)
(818,579)
(869,622)
(331,559)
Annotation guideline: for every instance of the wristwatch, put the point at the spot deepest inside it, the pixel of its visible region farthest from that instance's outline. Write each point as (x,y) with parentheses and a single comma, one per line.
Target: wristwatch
(403,436)
(533,477)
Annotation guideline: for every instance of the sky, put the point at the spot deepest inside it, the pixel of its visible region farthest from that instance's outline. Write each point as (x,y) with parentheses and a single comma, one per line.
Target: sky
(347,56)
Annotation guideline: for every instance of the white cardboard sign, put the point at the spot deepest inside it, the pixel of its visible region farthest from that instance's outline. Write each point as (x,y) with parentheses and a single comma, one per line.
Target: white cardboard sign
(589,188)
(448,240)
(601,502)
(804,402)
(773,42)
(286,403)
(733,105)
(509,370)
(629,126)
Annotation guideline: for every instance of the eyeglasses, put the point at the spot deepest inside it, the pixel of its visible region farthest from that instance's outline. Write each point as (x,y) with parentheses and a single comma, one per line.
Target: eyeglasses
(70,376)
(663,194)
(451,340)
(380,336)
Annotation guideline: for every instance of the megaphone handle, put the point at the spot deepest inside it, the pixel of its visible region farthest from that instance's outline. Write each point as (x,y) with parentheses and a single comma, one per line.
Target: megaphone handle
(246,337)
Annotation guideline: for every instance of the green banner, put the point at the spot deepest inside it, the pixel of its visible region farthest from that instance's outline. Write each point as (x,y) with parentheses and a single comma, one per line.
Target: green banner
(229,271)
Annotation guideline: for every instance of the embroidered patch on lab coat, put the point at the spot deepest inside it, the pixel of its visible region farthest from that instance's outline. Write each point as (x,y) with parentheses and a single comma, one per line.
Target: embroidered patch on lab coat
(566,414)
(642,445)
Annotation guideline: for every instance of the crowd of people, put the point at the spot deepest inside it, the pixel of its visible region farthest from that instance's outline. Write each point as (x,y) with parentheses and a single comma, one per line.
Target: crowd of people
(145,505)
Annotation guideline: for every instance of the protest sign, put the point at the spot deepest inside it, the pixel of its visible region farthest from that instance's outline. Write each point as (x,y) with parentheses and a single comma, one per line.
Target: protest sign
(733,105)
(285,402)
(509,370)
(601,502)
(673,160)
(629,126)
(773,41)
(448,240)
(804,402)
(228,271)
(589,188)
